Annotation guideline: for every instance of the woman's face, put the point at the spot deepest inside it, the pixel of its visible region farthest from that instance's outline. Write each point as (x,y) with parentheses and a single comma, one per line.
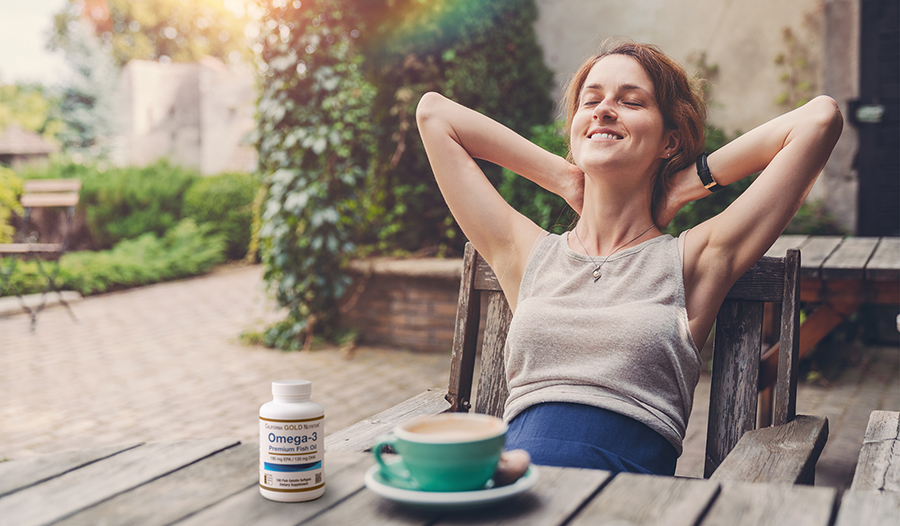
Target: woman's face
(617,124)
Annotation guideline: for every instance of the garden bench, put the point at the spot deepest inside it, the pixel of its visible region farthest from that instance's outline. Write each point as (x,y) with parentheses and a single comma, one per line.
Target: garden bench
(41,194)
(838,275)
(786,453)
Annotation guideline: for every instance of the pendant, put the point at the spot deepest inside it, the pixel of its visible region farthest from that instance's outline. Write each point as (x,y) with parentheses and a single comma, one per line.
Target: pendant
(596,274)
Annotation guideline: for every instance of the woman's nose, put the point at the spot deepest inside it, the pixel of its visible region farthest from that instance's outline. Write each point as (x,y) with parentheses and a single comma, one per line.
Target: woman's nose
(604,111)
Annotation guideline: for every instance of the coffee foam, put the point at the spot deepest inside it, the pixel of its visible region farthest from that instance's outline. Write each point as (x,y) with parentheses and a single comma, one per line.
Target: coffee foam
(453,428)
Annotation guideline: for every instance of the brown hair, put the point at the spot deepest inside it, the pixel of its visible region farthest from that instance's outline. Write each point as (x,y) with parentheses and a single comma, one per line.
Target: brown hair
(679,100)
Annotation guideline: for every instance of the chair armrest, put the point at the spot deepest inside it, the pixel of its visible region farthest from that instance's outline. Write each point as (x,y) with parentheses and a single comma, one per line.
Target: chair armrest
(780,454)
(361,435)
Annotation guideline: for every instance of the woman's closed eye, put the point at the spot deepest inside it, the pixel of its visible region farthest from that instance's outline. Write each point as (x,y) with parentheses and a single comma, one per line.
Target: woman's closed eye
(629,103)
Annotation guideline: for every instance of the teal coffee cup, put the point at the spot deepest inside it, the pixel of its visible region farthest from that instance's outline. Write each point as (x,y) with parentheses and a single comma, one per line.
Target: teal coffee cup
(446,452)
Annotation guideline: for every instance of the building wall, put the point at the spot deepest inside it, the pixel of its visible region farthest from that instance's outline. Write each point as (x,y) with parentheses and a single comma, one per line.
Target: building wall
(228,104)
(742,38)
(194,114)
(838,187)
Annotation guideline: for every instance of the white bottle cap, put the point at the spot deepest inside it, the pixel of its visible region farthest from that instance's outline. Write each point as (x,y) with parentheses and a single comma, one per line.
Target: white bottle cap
(291,388)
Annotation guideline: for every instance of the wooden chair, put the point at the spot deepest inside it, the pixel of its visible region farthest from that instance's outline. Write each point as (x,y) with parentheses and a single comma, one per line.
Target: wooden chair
(42,194)
(735,449)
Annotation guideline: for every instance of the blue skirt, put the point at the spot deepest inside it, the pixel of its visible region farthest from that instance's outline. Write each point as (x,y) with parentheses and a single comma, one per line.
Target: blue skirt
(583,436)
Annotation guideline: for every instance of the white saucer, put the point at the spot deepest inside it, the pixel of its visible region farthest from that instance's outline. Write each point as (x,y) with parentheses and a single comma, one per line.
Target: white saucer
(450,499)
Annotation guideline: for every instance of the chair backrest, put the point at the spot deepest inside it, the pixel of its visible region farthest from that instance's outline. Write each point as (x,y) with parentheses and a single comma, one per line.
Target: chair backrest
(51,193)
(737,347)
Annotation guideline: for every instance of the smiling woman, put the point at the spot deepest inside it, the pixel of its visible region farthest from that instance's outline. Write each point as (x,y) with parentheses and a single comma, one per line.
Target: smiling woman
(602,354)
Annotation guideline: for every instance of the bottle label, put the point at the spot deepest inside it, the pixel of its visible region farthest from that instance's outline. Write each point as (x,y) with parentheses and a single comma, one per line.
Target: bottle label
(291,454)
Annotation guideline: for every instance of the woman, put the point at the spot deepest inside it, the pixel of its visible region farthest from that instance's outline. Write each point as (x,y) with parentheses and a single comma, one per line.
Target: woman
(602,354)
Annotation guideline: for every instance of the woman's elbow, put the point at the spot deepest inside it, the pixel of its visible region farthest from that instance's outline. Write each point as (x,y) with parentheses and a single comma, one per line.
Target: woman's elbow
(428,107)
(826,116)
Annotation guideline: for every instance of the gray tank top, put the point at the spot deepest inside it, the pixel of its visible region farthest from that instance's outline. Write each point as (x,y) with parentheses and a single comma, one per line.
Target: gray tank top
(622,343)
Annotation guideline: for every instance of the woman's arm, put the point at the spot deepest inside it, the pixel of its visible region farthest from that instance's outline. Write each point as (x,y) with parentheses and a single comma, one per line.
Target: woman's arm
(454,136)
(790,151)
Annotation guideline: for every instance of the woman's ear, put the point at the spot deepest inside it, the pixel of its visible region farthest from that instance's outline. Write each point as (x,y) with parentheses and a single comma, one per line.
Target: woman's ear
(671,143)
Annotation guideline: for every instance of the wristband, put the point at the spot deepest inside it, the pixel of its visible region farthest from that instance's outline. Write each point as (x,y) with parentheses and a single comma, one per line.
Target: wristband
(705,176)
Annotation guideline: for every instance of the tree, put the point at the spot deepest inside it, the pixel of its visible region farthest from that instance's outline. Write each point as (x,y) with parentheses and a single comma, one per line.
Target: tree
(159,29)
(31,107)
(87,103)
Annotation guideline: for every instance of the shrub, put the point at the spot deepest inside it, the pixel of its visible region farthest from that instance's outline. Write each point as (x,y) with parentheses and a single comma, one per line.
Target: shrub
(185,250)
(124,203)
(547,209)
(10,190)
(225,204)
(484,55)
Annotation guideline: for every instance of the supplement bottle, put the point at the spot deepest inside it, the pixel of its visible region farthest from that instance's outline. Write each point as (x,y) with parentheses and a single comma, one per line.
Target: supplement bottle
(291,444)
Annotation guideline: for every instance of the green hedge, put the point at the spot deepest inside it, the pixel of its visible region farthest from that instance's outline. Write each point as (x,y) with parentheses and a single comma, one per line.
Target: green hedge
(224,203)
(10,189)
(185,250)
(124,203)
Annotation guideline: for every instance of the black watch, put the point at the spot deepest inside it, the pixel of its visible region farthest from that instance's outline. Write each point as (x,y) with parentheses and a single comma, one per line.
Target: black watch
(705,176)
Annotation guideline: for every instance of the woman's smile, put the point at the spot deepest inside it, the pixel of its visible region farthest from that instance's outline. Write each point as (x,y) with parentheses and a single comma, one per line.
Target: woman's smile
(604,134)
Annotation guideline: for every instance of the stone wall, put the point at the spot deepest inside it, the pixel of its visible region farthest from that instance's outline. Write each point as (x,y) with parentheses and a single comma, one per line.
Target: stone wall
(196,114)
(404,303)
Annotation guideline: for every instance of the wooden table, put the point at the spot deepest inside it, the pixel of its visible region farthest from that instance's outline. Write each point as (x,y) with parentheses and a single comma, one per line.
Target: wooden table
(878,468)
(838,275)
(214,482)
(842,274)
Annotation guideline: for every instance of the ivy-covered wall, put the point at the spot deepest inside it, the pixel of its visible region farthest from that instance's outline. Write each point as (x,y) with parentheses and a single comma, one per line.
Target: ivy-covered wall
(346,173)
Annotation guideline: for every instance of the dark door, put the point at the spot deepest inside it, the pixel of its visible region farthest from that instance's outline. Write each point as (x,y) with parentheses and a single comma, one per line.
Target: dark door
(877,117)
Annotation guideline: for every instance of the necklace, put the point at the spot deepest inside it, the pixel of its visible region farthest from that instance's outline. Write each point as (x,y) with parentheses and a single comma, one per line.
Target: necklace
(596,272)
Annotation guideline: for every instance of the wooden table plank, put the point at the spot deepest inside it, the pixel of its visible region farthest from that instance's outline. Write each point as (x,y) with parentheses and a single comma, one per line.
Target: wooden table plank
(814,252)
(362,435)
(779,248)
(849,260)
(750,504)
(365,508)
(343,477)
(76,490)
(168,499)
(869,508)
(878,467)
(885,262)
(642,499)
(558,494)
(19,474)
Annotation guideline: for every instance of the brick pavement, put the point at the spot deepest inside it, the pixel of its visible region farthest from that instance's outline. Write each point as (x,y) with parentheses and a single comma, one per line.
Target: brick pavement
(163,363)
